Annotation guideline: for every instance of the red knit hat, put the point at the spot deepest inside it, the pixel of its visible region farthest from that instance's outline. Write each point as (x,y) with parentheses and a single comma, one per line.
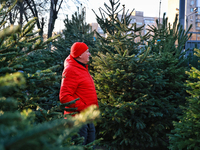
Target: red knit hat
(78,48)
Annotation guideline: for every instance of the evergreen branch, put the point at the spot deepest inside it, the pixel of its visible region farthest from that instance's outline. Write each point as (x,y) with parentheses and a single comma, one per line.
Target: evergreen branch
(1,41)
(35,63)
(32,34)
(54,67)
(30,40)
(45,129)
(116,7)
(38,131)
(119,11)
(145,55)
(31,22)
(104,11)
(44,115)
(90,145)
(10,81)
(108,8)
(18,66)
(8,31)
(9,9)
(7,104)
(2,23)
(62,106)
(12,6)
(103,59)
(6,69)
(125,52)
(9,115)
(2,6)
(118,50)
(8,54)
(9,46)
(37,44)
(28,30)
(50,40)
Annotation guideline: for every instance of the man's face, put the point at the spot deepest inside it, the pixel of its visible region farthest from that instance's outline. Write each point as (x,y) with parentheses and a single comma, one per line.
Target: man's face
(84,57)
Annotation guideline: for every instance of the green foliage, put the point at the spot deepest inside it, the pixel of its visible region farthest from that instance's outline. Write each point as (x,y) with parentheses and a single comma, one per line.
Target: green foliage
(139,86)
(120,79)
(186,132)
(169,37)
(30,117)
(167,43)
(110,22)
(107,20)
(17,47)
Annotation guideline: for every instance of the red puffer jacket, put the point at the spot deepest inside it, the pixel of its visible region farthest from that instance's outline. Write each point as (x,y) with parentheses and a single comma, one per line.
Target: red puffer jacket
(77,83)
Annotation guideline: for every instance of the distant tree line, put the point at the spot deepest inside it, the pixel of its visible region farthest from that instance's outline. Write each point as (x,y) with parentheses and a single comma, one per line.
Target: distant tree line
(24,10)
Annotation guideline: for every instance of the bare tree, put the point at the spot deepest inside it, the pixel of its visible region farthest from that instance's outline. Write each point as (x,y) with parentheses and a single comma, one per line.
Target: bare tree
(27,9)
(53,15)
(36,8)
(13,14)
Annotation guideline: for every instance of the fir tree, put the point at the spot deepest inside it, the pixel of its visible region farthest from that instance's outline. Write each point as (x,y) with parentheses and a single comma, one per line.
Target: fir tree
(16,51)
(138,94)
(109,22)
(167,42)
(122,88)
(20,90)
(186,132)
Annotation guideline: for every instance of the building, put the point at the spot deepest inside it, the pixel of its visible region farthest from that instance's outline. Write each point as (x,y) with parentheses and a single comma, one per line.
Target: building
(136,17)
(192,14)
(191,17)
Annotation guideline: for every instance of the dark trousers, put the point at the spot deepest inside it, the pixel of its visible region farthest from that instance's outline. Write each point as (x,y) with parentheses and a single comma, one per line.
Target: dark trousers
(88,132)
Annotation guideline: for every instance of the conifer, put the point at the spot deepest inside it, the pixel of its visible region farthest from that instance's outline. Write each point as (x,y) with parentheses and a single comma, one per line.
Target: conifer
(167,43)
(138,94)
(186,132)
(24,121)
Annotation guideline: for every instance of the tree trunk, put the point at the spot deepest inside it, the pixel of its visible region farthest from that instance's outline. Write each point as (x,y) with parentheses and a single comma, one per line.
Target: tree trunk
(11,18)
(51,20)
(42,27)
(35,14)
(21,11)
(53,16)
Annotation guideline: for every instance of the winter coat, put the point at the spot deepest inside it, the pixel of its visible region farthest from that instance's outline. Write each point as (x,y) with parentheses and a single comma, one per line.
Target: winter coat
(77,83)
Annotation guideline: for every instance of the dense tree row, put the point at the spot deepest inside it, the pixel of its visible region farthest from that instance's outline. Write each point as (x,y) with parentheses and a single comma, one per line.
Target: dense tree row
(46,12)
(145,101)
(140,84)
(31,116)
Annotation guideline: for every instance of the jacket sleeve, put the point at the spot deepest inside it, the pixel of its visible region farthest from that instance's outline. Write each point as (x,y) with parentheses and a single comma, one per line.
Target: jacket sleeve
(68,88)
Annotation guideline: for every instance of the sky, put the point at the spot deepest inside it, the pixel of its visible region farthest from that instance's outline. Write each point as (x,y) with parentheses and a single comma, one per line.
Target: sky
(150,8)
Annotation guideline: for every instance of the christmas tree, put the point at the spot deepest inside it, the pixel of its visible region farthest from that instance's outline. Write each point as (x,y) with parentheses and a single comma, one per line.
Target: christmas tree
(139,86)
(121,86)
(186,132)
(25,124)
(110,22)
(167,43)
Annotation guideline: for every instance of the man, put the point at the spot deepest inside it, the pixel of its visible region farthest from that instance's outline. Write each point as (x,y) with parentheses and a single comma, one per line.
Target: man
(78,83)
